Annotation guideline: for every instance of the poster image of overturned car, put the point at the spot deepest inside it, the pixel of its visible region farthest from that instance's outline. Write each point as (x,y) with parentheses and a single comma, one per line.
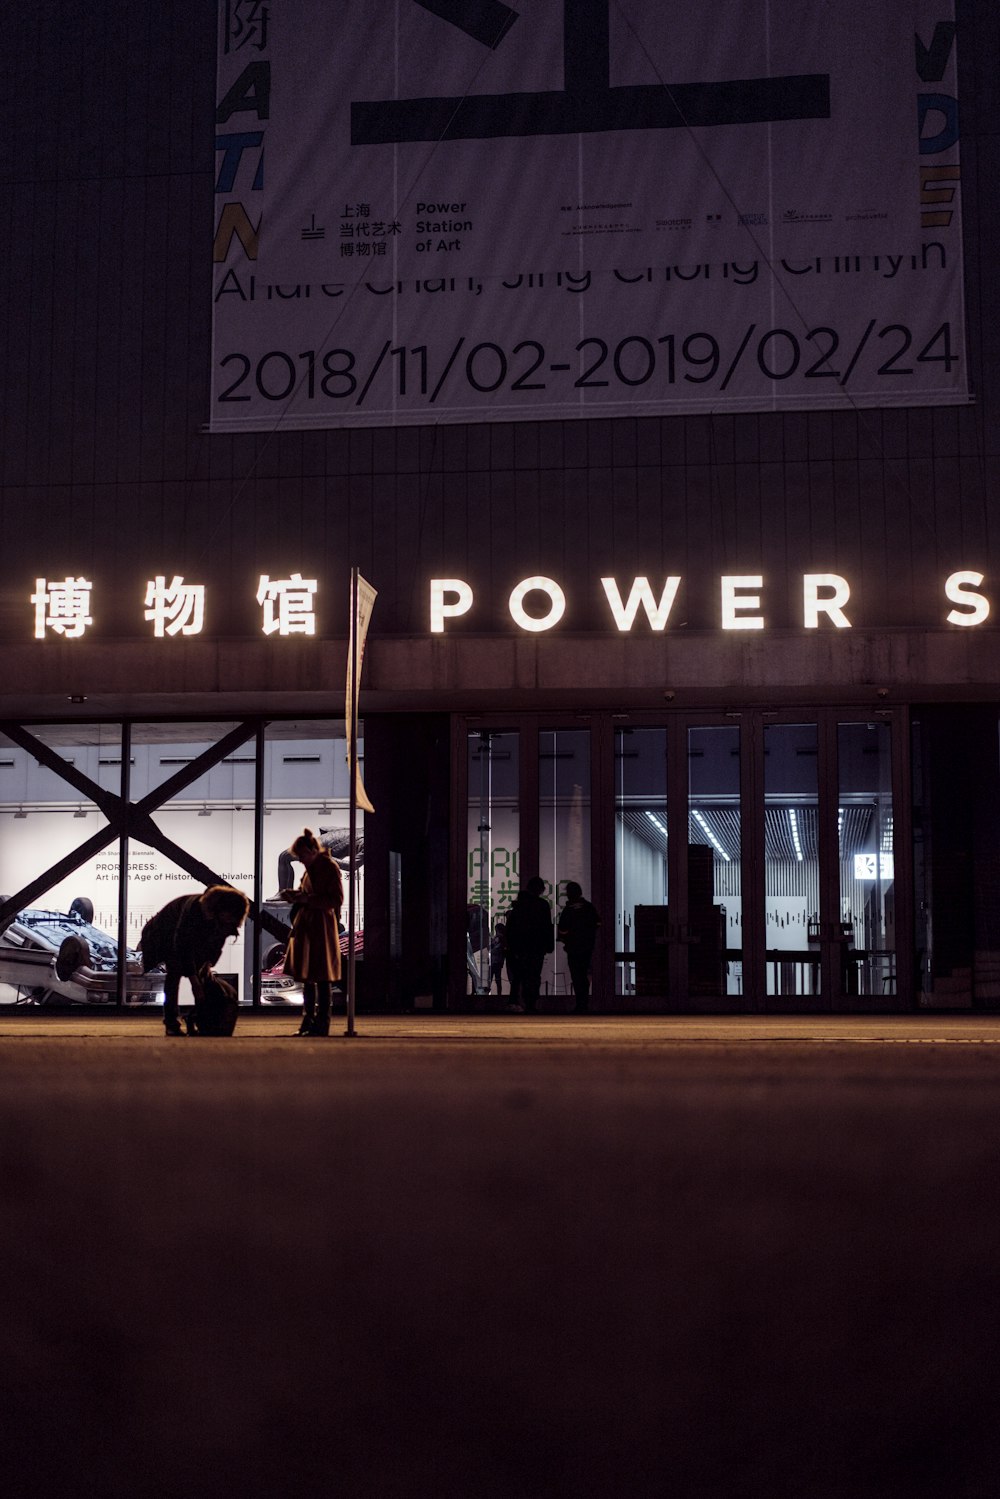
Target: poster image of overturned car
(60,957)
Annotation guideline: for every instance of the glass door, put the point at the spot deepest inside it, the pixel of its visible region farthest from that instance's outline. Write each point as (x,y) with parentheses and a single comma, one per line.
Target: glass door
(830,785)
(793,928)
(492,859)
(641,868)
(679,866)
(867,864)
(755,863)
(712,933)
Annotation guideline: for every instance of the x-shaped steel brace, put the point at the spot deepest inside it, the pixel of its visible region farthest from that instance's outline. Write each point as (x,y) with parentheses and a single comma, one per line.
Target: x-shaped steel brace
(128,819)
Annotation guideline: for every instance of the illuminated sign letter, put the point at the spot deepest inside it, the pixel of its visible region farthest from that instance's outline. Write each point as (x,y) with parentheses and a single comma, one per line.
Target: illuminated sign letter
(735,602)
(62,606)
(837,593)
(958,588)
(440,611)
(542,585)
(287,605)
(641,593)
(177,607)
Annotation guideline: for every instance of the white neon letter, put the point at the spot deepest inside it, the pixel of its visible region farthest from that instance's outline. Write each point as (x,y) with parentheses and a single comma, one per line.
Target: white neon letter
(735,602)
(62,606)
(641,593)
(956,589)
(440,611)
(175,608)
(528,621)
(833,602)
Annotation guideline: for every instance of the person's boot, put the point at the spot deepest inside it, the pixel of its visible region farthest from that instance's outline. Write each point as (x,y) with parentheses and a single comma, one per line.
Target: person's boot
(308,1011)
(321,1023)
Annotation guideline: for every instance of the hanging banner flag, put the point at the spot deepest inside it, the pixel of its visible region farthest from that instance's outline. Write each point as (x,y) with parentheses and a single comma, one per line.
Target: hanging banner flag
(361,614)
(467,211)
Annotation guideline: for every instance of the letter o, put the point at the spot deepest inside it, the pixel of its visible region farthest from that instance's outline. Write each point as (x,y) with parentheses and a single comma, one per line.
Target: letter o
(542,585)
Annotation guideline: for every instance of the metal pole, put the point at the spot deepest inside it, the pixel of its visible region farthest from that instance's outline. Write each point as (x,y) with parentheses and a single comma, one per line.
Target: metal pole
(125,786)
(259,786)
(485,847)
(353,821)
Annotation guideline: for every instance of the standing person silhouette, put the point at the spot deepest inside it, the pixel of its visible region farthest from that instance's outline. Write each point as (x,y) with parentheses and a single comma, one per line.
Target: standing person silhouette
(529,940)
(313,955)
(577,931)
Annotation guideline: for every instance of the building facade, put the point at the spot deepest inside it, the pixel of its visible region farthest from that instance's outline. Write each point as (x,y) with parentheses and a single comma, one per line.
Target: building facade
(736,672)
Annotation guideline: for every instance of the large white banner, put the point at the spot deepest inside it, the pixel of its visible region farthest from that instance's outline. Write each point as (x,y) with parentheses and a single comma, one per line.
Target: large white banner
(464,210)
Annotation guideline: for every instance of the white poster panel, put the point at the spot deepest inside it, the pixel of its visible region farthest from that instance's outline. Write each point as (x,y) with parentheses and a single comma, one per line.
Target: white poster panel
(464,210)
(223,840)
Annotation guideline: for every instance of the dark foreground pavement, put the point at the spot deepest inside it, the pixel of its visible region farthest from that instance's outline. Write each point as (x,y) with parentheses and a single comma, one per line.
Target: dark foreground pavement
(501,1260)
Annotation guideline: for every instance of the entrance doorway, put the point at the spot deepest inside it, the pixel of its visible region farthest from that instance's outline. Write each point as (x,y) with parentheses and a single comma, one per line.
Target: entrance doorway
(753,861)
(756,862)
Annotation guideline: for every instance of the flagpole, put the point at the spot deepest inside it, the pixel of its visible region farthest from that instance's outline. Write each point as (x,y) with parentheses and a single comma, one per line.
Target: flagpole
(353,821)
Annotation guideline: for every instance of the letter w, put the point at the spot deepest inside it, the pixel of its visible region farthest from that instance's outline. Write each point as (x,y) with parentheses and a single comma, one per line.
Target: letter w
(641,593)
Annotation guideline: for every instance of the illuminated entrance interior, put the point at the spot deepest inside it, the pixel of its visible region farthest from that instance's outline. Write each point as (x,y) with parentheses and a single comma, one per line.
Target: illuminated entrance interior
(788,858)
(743,864)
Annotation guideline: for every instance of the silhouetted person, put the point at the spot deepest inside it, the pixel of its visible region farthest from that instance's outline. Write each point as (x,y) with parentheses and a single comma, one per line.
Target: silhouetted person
(577,931)
(187,935)
(529,939)
(313,955)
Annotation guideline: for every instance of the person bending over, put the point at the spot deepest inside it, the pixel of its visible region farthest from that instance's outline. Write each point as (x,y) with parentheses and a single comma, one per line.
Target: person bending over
(187,935)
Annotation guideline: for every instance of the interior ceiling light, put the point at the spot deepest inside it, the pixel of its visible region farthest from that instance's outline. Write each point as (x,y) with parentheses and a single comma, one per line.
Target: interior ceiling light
(794,822)
(710,835)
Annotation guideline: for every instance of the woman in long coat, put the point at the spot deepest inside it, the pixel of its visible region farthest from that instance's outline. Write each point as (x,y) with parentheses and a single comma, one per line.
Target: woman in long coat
(313,955)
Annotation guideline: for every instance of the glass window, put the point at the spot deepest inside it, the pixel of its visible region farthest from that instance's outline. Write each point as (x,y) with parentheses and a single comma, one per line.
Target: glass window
(640,862)
(492,875)
(307,784)
(791,858)
(563,838)
(715,895)
(212,819)
(867,873)
(43,819)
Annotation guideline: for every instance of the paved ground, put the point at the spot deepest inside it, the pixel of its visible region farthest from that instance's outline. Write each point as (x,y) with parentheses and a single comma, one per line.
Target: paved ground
(501,1257)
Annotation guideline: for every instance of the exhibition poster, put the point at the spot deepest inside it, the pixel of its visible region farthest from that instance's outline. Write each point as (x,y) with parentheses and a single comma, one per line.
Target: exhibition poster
(465,211)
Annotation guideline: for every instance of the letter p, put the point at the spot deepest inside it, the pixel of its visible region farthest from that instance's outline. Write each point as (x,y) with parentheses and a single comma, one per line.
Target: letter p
(443,607)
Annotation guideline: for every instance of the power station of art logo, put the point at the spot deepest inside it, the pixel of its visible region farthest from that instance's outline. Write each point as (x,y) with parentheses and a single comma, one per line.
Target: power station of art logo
(792,216)
(752,220)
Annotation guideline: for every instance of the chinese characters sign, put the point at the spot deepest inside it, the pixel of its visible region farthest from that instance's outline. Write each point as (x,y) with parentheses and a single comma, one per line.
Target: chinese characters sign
(62,606)
(464,210)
